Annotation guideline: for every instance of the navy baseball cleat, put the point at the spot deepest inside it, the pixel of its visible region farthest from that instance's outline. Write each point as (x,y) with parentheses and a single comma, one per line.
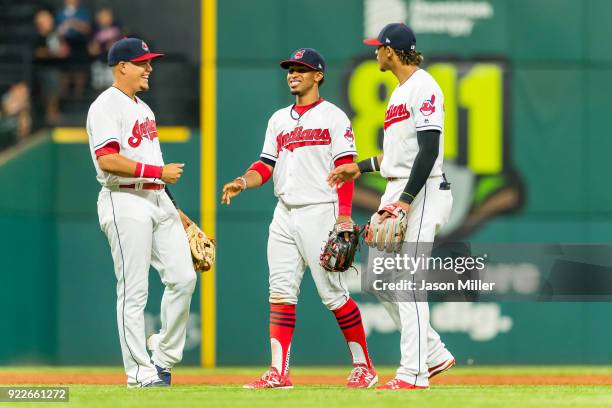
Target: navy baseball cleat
(156,383)
(164,374)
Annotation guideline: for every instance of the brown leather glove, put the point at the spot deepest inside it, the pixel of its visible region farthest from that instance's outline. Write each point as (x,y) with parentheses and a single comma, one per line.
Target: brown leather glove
(202,248)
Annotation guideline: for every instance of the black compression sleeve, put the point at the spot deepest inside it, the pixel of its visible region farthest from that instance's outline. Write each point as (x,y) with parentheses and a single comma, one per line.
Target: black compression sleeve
(369,165)
(171,198)
(429,145)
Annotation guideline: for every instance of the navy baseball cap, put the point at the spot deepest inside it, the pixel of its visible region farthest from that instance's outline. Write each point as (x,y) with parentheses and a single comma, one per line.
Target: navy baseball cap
(130,49)
(396,35)
(308,57)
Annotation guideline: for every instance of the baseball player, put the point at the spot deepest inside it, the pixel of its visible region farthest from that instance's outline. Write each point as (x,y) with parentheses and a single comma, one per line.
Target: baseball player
(303,142)
(139,217)
(413,150)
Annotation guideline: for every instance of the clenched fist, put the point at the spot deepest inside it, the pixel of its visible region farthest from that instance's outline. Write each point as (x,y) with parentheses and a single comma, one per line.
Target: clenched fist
(172,172)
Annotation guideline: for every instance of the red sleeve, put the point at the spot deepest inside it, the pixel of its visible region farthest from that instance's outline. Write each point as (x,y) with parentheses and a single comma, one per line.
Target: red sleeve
(345,193)
(110,148)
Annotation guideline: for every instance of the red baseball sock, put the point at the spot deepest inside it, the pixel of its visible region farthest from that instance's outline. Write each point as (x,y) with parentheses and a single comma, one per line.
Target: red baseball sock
(349,320)
(282,323)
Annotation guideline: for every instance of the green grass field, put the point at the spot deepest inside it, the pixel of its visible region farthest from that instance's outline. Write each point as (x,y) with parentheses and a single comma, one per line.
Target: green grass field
(443,394)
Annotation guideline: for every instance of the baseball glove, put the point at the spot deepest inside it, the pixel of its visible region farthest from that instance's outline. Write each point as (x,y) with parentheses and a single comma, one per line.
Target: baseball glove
(339,252)
(389,234)
(202,248)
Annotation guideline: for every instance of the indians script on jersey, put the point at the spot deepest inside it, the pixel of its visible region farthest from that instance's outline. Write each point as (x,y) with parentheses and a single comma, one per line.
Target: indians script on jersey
(300,137)
(147,129)
(396,113)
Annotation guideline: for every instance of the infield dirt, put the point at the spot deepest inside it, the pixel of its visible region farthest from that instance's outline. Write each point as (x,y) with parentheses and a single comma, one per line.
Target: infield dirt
(33,377)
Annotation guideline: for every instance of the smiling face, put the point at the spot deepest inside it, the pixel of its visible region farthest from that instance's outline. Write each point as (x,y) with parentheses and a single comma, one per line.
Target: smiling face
(136,74)
(302,79)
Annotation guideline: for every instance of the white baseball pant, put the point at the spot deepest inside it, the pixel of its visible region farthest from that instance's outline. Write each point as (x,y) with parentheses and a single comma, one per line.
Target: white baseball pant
(144,229)
(420,344)
(297,235)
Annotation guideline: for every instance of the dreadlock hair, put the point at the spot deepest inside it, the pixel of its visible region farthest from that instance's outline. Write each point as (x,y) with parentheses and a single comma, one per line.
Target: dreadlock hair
(412,57)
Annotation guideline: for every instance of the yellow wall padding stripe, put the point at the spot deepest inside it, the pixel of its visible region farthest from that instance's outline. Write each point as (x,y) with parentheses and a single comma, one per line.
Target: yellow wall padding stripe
(208,174)
(167,134)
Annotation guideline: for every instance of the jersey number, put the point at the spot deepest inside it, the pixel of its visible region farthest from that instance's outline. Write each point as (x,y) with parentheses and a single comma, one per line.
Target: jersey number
(473,112)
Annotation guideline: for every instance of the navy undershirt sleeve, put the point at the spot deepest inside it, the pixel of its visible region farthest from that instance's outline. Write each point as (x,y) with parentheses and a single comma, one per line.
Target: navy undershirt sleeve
(429,145)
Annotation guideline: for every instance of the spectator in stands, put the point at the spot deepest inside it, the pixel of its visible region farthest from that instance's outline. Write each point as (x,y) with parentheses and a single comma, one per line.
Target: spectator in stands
(106,32)
(49,51)
(15,120)
(74,25)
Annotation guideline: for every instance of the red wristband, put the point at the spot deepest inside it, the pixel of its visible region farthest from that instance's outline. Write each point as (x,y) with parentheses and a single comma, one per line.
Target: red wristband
(263,171)
(148,171)
(152,171)
(139,170)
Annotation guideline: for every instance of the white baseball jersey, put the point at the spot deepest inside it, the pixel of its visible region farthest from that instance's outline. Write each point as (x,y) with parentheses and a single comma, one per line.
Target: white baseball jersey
(115,117)
(416,105)
(305,150)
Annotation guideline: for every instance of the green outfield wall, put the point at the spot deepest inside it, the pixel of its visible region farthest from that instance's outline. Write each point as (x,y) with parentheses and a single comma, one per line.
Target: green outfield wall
(527,87)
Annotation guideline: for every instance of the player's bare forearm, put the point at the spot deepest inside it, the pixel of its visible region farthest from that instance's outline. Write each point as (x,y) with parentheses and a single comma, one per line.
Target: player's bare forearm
(250,179)
(122,166)
(253,179)
(117,164)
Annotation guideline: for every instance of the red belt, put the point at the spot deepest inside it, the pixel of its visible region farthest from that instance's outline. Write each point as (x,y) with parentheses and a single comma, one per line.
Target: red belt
(145,186)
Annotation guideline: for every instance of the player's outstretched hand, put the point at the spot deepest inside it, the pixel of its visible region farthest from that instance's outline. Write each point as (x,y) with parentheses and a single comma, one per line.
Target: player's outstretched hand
(230,190)
(172,172)
(343,173)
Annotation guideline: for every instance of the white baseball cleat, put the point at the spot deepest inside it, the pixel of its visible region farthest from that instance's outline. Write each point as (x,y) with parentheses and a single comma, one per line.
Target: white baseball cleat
(442,367)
